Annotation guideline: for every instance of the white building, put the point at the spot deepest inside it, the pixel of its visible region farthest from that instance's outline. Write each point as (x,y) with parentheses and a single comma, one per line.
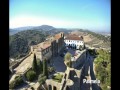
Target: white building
(74,41)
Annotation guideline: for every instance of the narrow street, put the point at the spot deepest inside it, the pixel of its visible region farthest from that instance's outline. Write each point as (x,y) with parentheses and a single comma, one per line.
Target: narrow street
(94,86)
(89,62)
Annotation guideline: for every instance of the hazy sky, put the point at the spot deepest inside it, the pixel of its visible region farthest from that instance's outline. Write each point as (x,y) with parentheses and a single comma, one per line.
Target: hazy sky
(86,14)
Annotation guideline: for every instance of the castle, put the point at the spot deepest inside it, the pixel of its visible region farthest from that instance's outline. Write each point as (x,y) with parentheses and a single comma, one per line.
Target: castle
(51,47)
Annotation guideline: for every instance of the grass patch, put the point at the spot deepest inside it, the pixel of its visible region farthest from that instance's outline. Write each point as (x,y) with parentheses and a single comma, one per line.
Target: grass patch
(57,78)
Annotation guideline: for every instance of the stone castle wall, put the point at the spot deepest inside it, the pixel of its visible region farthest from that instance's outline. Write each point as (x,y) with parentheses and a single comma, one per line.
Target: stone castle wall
(80,60)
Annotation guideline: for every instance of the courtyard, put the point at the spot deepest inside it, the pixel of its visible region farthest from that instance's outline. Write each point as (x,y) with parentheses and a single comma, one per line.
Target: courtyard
(58,61)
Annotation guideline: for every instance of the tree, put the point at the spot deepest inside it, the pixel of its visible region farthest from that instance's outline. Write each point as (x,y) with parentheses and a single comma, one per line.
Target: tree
(80,48)
(18,81)
(40,66)
(103,68)
(20,42)
(68,59)
(51,69)
(68,56)
(34,64)
(41,79)
(30,75)
(45,69)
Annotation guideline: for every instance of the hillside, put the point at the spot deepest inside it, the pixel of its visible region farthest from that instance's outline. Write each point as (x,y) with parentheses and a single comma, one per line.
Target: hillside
(93,39)
(19,44)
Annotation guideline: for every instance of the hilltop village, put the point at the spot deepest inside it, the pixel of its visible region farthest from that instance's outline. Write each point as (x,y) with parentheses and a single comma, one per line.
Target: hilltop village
(65,64)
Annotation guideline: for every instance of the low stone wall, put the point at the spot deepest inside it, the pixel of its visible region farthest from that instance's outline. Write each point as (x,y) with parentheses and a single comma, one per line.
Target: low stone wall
(53,84)
(17,64)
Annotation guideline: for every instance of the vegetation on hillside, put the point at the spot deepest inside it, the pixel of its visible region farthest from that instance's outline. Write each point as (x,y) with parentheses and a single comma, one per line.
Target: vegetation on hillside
(103,68)
(99,36)
(97,40)
(19,44)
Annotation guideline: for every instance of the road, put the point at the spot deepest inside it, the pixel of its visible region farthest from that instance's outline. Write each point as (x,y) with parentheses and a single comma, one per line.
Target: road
(87,64)
(94,86)
(84,86)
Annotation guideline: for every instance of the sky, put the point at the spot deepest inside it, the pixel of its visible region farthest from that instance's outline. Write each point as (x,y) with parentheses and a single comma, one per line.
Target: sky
(85,14)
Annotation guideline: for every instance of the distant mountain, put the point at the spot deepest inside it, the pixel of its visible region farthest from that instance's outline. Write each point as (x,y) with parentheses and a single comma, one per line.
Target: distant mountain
(43,28)
(23,28)
(12,31)
(104,33)
(39,28)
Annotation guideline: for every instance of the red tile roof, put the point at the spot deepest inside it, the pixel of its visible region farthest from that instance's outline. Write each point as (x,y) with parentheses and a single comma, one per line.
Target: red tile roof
(57,36)
(73,37)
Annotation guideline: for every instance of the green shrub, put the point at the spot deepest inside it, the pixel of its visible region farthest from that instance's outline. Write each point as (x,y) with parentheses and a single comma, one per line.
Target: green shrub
(40,66)
(69,64)
(67,56)
(58,78)
(42,78)
(30,75)
(18,80)
(12,85)
(51,69)
(103,68)
(45,67)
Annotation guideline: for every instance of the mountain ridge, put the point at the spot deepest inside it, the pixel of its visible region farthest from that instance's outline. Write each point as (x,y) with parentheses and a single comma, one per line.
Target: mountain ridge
(47,28)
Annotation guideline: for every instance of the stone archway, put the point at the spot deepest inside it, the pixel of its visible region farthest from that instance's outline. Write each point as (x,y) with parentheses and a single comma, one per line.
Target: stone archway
(54,88)
(67,88)
(49,87)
